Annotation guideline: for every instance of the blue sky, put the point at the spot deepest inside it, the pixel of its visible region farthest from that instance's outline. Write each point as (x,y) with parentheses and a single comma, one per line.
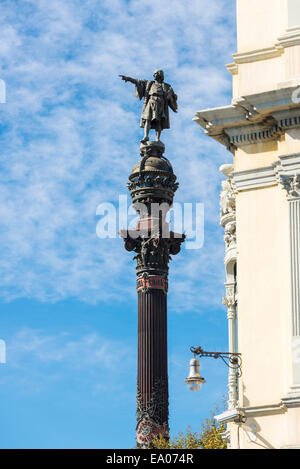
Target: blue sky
(69,135)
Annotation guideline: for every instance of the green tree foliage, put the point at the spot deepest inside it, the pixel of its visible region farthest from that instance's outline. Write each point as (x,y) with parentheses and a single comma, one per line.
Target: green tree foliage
(210,437)
(189,440)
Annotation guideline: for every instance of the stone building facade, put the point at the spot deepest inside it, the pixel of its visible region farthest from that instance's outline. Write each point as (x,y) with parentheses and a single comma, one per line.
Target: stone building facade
(260,213)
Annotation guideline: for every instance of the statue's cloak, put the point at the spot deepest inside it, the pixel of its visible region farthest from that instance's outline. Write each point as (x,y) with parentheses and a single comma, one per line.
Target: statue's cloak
(160,119)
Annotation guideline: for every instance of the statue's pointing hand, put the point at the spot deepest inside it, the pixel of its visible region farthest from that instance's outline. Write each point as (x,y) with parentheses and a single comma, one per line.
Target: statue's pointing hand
(124,77)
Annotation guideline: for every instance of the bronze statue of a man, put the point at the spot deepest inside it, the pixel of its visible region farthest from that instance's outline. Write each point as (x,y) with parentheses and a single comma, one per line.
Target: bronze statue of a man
(158,97)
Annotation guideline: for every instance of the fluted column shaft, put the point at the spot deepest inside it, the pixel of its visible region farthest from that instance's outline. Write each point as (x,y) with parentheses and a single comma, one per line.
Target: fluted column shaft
(152,360)
(232,376)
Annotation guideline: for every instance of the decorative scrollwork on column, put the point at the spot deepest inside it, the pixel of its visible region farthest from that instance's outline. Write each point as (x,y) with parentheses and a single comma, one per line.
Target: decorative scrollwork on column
(230,302)
(153,252)
(151,415)
(230,234)
(227,198)
(228,221)
(228,208)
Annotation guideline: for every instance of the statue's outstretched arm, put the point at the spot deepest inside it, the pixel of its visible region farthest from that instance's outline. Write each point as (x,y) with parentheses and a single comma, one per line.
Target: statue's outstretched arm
(132,80)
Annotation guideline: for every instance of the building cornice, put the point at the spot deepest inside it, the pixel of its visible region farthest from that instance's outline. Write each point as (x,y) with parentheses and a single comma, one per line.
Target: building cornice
(263,410)
(254,178)
(232,68)
(258,54)
(283,171)
(291,402)
(293,397)
(289,39)
(252,118)
(241,414)
(290,447)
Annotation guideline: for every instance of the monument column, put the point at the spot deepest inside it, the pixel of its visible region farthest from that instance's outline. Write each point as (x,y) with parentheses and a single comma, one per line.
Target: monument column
(152,185)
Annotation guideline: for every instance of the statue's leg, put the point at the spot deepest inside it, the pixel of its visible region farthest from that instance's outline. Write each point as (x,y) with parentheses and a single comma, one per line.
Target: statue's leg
(146,131)
(158,133)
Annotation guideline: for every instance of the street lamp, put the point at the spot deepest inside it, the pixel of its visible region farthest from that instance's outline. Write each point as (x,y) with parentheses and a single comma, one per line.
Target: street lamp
(195,380)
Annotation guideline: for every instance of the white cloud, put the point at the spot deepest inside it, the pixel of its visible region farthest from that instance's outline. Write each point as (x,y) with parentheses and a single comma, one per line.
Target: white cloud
(86,351)
(36,359)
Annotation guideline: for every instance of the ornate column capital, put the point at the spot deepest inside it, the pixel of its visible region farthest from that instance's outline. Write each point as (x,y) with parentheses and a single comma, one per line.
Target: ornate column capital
(291,183)
(230,299)
(153,252)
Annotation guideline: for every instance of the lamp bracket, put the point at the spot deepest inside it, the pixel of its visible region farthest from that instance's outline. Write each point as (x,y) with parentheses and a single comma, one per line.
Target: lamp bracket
(232,360)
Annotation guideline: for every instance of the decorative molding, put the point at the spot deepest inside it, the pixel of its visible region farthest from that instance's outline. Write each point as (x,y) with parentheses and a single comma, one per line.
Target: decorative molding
(287,120)
(292,399)
(232,68)
(293,394)
(290,163)
(147,282)
(254,178)
(263,410)
(289,83)
(152,180)
(258,54)
(243,413)
(252,119)
(250,135)
(291,402)
(285,171)
(291,447)
(290,38)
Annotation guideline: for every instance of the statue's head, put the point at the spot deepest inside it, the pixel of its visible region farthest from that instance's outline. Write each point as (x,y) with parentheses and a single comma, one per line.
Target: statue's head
(158,75)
